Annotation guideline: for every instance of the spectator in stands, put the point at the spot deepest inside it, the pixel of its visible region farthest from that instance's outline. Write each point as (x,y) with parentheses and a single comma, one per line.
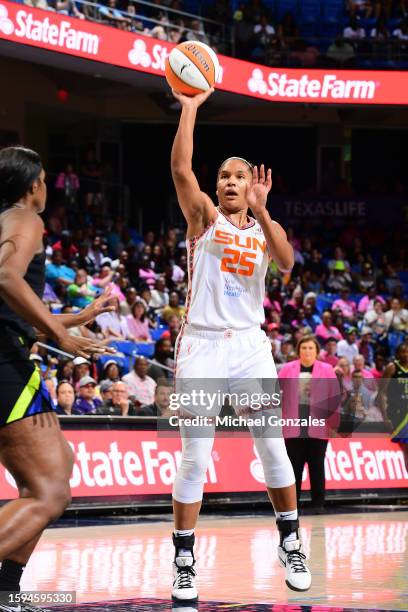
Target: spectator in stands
(66,398)
(339,277)
(160,406)
(130,299)
(163,356)
(40,4)
(367,302)
(65,370)
(263,33)
(111,371)
(82,368)
(82,292)
(379,365)
(113,16)
(359,365)
(380,31)
(326,330)
(361,8)
(196,32)
(401,32)
(348,348)
(345,305)
(341,53)
(396,318)
(114,324)
(141,386)
(69,7)
(356,403)
(328,355)
(173,308)
(146,273)
(120,404)
(96,254)
(366,346)
(343,372)
(159,296)
(353,31)
(311,319)
(66,245)
(86,401)
(366,279)
(57,273)
(67,182)
(105,390)
(136,24)
(138,322)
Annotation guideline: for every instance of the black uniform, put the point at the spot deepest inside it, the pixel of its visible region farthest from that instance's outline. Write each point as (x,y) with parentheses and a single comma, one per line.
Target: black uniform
(23,392)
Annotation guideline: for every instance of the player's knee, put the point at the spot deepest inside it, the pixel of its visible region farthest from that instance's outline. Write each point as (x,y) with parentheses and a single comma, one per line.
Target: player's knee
(54,500)
(194,469)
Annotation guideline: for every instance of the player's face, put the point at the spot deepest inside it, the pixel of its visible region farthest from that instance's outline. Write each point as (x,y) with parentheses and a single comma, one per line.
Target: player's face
(233,180)
(40,192)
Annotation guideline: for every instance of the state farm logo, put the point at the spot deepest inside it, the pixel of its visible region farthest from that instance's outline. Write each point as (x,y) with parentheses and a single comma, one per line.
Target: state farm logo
(59,34)
(6,25)
(139,54)
(312,86)
(256,83)
(148,55)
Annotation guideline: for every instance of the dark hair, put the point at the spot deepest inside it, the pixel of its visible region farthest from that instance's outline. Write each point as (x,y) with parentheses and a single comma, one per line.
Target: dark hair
(64,382)
(19,168)
(137,303)
(250,166)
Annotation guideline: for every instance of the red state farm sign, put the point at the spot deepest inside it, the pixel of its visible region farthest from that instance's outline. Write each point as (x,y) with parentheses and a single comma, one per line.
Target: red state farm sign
(48,30)
(112,463)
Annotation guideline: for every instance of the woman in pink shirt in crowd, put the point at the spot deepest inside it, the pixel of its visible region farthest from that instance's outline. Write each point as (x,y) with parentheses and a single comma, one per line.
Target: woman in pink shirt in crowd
(146,272)
(138,322)
(105,278)
(326,330)
(346,306)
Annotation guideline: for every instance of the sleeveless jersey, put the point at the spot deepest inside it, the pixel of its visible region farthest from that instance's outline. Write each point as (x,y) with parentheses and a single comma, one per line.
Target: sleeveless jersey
(226,268)
(35,277)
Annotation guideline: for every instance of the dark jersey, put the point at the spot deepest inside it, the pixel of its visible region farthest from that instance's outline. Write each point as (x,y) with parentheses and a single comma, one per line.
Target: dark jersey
(35,277)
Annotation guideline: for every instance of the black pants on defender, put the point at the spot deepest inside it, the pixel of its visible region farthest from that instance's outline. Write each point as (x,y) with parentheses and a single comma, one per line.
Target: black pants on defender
(311,451)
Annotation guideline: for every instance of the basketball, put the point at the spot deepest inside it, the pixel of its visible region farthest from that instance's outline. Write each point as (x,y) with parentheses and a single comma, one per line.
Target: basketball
(191,68)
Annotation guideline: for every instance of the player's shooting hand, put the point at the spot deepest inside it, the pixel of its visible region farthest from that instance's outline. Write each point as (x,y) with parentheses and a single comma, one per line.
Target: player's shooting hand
(192,101)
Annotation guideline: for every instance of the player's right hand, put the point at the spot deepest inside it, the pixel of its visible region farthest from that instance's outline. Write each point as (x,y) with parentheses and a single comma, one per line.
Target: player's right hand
(193,101)
(83,347)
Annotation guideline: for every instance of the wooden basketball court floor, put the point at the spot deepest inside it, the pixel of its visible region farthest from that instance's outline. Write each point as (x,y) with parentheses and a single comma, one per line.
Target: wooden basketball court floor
(358,561)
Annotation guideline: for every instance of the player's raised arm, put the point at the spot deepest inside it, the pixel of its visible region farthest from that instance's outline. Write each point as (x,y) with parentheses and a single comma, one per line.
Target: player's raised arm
(197,207)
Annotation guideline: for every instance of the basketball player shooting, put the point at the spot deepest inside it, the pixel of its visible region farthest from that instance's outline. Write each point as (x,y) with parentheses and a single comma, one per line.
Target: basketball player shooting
(228,256)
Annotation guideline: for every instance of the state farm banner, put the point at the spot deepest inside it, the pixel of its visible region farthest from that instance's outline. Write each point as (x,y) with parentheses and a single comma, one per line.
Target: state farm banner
(84,39)
(116,463)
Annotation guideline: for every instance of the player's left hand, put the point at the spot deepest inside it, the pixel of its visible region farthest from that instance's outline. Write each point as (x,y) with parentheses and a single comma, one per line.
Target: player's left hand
(103,303)
(257,193)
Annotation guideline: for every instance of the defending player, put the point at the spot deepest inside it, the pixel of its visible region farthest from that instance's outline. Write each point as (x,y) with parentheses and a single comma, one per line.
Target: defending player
(228,255)
(32,447)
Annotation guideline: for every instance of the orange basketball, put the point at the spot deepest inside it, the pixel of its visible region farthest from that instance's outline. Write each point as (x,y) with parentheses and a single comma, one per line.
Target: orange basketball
(191,68)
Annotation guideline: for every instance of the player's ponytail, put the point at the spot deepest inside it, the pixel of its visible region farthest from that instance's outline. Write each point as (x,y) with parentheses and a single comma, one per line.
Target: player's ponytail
(19,169)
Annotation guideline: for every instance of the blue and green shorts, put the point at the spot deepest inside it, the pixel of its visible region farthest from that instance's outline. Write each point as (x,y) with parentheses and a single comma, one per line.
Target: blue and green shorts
(22,390)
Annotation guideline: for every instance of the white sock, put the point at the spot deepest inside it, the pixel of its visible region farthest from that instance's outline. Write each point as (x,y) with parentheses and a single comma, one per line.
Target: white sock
(184,552)
(290,515)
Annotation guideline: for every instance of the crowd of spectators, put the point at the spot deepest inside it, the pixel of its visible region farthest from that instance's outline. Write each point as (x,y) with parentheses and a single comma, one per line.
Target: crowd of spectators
(377,29)
(343,289)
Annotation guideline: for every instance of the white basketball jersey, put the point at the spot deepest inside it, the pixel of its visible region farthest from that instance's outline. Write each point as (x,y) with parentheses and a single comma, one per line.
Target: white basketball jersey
(227,267)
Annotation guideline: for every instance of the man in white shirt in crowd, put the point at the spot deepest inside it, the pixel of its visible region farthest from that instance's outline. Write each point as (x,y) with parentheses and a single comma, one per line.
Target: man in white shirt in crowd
(141,387)
(348,347)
